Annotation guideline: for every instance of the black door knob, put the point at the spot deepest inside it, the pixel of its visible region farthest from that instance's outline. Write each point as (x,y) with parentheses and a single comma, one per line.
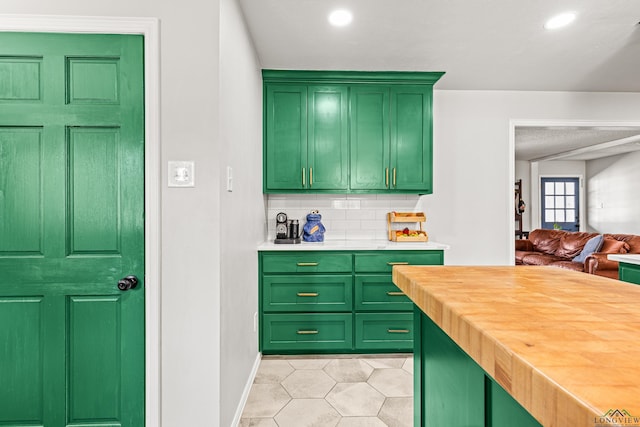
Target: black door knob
(127,283)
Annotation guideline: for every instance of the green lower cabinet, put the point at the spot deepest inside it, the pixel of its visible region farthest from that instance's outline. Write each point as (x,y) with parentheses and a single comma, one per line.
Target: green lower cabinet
(336,301)
(319,332)
(384,331)
(629,272)
(452,390)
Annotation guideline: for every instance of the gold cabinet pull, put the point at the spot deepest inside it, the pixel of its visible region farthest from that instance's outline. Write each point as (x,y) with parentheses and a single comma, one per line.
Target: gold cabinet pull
(395,294)
(398,263)
(307,332)
(386,180)
(303,176)
(308,294)
(307,264)
(310,177)
(394,177)
(398,331)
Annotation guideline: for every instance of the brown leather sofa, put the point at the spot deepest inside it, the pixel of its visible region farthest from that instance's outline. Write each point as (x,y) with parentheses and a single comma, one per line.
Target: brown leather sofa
(558,248)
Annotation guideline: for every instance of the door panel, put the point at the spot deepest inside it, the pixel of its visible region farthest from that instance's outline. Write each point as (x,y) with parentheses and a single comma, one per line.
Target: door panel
(286,137)
(21,370)
(72,209)
(369,106)
(328,154)
(411,138)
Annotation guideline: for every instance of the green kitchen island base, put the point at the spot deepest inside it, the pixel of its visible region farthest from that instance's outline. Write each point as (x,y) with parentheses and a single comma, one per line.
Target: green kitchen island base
(452,390)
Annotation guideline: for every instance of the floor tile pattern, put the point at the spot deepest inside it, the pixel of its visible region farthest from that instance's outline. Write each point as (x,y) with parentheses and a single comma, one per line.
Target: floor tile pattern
(331,391)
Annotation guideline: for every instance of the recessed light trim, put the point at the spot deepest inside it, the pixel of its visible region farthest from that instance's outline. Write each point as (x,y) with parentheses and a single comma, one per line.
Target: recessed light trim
(560,20)
(340,18)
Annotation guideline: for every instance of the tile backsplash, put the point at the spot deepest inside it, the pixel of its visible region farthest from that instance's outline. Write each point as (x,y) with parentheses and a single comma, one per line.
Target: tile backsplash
(361,216)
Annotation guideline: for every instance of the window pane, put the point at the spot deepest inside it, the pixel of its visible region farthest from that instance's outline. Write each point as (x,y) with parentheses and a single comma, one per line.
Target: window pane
(549,201)
(571,188)
(559,187)
(571,215)
(548,187)
(571,202)
(560,216)
(559,202)
(548,215)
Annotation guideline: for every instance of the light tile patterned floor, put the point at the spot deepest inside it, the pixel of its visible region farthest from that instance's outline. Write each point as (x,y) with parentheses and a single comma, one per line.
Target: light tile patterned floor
(330,391)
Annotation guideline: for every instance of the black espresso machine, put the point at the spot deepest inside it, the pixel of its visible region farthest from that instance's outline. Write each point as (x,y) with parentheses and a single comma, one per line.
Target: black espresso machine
(287,230)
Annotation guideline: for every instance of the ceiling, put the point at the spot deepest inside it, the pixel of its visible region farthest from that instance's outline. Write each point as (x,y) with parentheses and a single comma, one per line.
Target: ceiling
(480,44)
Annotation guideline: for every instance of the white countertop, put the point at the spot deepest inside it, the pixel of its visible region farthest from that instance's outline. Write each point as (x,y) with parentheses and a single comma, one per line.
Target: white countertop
(629,258)
(353,245)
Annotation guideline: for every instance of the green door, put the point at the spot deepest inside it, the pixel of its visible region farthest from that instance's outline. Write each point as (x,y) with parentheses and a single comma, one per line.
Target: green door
(369,106)
(411,156)
(286,137)
(328,154)
(72,225)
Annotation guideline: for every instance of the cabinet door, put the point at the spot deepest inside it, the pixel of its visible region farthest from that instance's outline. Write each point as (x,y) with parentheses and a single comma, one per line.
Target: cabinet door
(369,106)
(411,147)
(285,137)
(328,153)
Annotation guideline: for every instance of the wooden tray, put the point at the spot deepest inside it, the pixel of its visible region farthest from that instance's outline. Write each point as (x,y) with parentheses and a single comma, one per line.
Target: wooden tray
(421,237)
(405,217)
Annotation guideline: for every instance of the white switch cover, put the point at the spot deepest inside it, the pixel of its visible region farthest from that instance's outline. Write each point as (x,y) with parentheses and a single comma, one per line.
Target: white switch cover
(181,174)
(229,178)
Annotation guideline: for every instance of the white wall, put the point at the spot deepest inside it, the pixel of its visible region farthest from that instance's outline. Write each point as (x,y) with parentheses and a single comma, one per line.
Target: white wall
(613,185)
(472,208)
(243,209)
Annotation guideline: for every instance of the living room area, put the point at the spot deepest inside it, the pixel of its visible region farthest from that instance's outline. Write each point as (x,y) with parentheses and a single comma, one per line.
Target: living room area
(576,187)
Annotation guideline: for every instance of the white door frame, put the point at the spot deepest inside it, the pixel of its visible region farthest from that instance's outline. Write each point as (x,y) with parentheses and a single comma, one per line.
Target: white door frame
(149,28)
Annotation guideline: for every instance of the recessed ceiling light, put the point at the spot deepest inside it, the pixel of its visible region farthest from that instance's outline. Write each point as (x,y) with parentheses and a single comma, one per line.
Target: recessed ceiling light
(340,18)
(560,21)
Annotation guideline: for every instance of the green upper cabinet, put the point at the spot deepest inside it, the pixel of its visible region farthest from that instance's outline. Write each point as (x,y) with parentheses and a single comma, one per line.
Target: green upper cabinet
(391,138)
(306,138)
(285,137)
(411,158)
(348,132)
(369,131)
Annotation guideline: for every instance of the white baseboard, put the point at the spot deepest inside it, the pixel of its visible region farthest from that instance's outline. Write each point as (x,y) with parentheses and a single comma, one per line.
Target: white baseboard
(245,393)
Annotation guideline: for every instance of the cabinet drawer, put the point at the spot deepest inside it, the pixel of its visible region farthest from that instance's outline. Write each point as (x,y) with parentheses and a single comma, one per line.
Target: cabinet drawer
(377,292)
(307,332)
(307,262)
(384,262)
(629,273)
(307,293)
(390,331)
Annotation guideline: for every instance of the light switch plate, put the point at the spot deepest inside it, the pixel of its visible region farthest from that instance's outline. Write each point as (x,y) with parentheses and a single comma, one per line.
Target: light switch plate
(181,174)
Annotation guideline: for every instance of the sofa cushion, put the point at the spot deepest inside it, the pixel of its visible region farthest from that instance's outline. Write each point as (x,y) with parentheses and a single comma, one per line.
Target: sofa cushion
(520,255)
(631,239)
(572,243)
(540,259)
(569,265)
(593,245)
(545,241)
(613,246)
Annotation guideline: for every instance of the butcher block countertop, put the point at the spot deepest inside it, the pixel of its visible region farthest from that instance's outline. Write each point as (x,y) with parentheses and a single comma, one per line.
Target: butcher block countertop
(564,344)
